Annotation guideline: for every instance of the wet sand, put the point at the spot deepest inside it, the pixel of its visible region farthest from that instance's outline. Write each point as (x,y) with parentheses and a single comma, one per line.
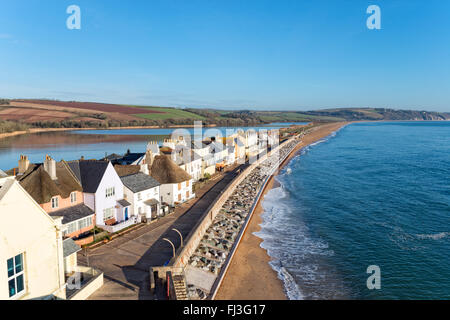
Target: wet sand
(249,276)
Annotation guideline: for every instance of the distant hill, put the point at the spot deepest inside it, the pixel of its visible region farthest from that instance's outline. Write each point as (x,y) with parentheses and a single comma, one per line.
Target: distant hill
(32,113)
(352,114)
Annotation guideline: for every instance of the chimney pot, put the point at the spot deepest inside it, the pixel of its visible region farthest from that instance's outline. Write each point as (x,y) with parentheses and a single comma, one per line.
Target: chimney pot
(50,167)
(24,163)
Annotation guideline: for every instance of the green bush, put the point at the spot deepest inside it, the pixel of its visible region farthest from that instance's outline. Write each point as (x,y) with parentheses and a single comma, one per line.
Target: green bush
(11,126)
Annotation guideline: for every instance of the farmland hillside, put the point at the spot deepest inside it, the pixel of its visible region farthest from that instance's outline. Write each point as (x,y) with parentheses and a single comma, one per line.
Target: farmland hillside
(20,114)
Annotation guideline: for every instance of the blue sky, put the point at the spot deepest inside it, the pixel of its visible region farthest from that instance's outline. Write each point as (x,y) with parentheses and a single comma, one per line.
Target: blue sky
(257,54)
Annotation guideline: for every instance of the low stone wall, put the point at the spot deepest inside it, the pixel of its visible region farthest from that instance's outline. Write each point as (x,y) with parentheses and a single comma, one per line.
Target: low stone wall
(196,235)
(84,241)
(224,269)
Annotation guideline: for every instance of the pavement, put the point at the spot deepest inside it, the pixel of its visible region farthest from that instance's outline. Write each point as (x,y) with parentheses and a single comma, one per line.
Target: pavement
(126,260)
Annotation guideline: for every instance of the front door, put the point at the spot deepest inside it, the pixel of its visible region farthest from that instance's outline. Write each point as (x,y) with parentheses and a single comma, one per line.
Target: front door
(126,214)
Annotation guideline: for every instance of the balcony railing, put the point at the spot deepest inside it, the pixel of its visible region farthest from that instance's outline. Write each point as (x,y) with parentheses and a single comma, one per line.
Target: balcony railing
(82,282)
(120,226)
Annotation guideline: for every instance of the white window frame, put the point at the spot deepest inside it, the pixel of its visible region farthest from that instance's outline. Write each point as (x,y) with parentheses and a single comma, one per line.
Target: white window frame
(109,192)
(108,217)
(73,197)
(55,202)
(17,275)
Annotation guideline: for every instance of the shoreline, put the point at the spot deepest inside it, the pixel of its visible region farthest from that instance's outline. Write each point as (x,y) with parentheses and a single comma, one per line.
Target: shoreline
(257,280)
(39,130)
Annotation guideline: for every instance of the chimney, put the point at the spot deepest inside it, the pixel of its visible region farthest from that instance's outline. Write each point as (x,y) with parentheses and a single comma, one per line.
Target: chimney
(149,157)
(50,167)
(144,169)
(24,163)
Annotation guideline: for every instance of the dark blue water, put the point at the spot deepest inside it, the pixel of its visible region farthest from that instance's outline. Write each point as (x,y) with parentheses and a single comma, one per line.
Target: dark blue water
(373,194)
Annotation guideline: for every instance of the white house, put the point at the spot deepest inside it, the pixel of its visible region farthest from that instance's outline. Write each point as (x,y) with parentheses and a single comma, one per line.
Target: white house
(31,248)
(143,192)
(176,184)
(220,153)
(208,162)
(103,192)
(231,155)
(186,159)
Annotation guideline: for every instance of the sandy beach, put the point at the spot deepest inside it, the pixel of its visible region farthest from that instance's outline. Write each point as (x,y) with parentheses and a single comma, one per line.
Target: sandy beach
(249,276)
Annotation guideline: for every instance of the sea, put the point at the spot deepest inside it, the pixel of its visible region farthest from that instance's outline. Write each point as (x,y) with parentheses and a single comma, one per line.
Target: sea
(371,196)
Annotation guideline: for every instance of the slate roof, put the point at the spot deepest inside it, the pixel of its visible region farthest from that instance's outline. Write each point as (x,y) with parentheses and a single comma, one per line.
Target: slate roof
(112,157)
(128,158)
(70,247)
(139,182)
(89,173)
(126,170)
(124,203)
(73,213)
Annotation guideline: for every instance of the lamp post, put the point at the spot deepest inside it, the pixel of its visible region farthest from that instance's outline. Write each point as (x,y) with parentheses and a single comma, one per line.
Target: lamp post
(181,236)
(173,247)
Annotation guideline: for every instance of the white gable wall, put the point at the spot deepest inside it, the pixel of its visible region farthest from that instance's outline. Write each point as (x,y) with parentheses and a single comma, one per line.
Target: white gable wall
(27,229)
(110,179)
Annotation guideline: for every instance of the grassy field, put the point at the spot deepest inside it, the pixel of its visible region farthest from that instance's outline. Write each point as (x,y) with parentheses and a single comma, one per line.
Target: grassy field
(167,113)
(293,117)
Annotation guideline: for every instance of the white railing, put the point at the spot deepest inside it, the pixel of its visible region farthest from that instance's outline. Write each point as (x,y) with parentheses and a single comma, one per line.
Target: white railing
(120,226)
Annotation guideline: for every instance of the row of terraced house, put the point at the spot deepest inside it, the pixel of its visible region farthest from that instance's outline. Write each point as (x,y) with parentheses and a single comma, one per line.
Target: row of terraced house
(53,208)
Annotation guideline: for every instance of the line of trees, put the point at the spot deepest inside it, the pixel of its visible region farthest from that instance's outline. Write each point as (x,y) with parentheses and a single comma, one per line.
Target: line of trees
(11,126)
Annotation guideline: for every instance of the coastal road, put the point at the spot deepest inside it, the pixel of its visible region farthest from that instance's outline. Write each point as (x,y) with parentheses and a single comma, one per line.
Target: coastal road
(126,260)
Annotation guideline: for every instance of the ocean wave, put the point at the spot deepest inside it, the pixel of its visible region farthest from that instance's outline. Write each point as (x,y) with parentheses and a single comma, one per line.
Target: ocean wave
(287,242)
(290,285)
(333,134)
(435,236)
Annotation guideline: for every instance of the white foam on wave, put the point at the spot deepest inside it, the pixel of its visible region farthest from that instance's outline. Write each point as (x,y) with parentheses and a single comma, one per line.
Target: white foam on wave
(286,254)
(435,236)
(272,210)
(287,242)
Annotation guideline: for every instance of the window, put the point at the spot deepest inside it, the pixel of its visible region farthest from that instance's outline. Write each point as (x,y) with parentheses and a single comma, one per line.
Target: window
(71,227)
(84,223)
(110,192)
(187,183)
(108,214)
(73,197)
(55,202)
(16,281)
(179,197)
(179,186)
(139,196)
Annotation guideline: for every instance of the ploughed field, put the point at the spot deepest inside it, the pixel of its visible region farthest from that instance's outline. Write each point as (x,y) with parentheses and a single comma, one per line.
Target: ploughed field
(102,107)
(32,111)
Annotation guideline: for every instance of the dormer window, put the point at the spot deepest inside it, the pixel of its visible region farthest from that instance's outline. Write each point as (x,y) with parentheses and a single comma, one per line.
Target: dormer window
(55,202)
(73,197)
